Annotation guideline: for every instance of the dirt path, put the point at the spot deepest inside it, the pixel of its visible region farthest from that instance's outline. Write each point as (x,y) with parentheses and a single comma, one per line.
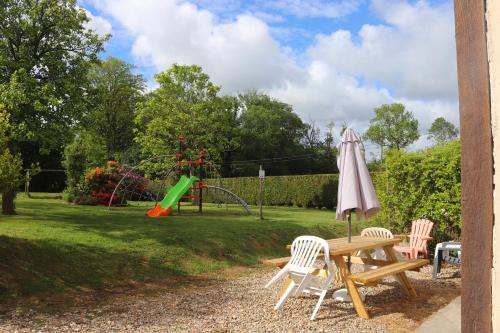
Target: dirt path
(233,305)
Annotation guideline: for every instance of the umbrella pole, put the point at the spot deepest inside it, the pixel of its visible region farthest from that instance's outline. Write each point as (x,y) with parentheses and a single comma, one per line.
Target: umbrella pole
(349,237)
(349,227)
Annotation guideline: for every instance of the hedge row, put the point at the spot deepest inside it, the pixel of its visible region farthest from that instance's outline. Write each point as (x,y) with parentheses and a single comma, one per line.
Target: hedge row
(311,191)
(423,184)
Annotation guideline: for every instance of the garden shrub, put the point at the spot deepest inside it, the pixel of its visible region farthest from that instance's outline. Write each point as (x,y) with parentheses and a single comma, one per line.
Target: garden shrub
(311,191)
(79,156)
(422,184)
(99,183)
(75,164)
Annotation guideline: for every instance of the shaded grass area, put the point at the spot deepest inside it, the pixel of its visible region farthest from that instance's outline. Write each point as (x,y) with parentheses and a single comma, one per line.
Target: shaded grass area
(52,246)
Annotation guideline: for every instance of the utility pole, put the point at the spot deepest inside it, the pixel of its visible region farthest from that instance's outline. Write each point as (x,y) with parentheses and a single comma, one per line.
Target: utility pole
(262,174)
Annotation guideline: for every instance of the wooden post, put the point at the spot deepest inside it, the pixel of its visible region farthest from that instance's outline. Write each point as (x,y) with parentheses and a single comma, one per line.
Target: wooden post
(476,165)
(261,190)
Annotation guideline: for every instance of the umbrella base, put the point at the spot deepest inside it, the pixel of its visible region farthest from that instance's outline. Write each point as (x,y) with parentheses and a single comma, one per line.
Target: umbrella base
(343,296)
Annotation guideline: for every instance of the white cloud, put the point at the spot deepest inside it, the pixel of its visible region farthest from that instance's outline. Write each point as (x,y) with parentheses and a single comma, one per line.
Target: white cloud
(428,111)
(239,55)
(327,95)
(410,59)
(413,53)
(99,24)
(343,76)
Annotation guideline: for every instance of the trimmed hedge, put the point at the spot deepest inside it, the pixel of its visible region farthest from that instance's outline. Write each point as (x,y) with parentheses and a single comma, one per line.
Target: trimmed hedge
(311,191)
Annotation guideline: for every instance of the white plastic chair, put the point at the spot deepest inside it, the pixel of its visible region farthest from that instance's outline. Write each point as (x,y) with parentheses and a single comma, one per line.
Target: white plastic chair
(376,232)
(306,252)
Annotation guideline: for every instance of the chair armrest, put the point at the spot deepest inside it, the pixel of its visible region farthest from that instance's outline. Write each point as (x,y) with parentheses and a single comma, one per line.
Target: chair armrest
(426,238)
(400,235)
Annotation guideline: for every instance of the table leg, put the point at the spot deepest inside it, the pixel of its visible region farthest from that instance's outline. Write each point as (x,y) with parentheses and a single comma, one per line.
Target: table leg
(357,302)
(392,257)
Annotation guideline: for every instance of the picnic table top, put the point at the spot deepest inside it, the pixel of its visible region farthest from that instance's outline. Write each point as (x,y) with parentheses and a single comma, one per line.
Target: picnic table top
(340,246)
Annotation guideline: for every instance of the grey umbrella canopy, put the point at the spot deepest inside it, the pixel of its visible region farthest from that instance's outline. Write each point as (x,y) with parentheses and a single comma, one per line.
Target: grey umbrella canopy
(355,192)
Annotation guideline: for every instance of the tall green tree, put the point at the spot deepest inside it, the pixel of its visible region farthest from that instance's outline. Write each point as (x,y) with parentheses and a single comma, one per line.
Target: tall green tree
(114,94)
(230,108)
(185,104)
(269,130)
(10,164)
(45,54)
(442,131)
(393,127)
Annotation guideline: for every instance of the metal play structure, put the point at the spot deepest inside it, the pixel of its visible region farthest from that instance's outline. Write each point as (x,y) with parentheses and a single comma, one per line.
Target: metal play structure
(191,175)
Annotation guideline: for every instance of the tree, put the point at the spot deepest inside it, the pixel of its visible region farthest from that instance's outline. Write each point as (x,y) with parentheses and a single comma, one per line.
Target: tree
(312,136)
(81,155)
(393,127)
(230,108)
(329,140)
(45,54)
(442,131)
(269,130)
(10,164)
(114,93)
(185,104)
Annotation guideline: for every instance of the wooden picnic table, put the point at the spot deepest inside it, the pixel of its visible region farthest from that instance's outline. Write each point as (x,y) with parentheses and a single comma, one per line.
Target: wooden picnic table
(340,248)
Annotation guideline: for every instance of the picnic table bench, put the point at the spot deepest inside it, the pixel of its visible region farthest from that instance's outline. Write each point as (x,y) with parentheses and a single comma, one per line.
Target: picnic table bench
(340,249)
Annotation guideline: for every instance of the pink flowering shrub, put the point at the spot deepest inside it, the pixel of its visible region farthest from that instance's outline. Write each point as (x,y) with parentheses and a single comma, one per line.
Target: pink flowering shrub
(100,183)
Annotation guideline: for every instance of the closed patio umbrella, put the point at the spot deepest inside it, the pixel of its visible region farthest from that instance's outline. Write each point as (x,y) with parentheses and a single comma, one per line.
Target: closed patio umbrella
(355,191)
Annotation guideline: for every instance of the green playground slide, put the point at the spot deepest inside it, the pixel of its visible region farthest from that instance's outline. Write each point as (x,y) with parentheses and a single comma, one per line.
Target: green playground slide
(173,196)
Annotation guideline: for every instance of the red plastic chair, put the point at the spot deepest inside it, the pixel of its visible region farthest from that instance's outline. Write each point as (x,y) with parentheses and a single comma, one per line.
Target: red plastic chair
(420,234)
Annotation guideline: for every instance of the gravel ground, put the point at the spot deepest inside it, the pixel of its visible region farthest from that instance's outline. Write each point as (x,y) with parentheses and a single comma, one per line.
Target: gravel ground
(233,305)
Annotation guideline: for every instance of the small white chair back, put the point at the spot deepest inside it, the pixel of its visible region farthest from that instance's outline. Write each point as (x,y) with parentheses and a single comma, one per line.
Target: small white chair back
(377,232)
(305,251)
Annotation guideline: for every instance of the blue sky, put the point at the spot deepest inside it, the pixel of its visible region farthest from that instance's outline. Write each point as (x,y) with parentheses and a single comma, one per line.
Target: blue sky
(331,60)
(295,32)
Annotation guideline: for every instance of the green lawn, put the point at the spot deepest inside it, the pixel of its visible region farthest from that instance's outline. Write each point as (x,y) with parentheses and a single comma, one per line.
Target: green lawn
(52,246)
